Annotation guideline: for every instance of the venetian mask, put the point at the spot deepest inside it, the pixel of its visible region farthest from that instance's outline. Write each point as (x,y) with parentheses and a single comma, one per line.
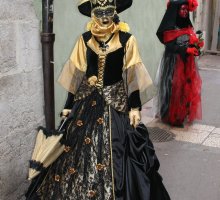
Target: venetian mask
(104,16)
(184,11)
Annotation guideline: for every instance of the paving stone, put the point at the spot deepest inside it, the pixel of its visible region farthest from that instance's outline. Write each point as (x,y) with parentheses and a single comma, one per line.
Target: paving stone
(213,141)
(157,123)
(190,171)
(201,127)
(190,136)
(216,131)
(146,120)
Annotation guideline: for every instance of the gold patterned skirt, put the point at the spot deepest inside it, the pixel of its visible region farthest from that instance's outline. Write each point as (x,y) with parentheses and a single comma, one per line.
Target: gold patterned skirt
(105,158)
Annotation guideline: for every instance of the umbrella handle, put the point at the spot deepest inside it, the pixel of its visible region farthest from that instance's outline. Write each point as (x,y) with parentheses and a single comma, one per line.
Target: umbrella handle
(62,124)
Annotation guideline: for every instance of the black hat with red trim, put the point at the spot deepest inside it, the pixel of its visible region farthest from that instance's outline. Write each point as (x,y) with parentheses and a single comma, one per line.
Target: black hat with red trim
(172,20)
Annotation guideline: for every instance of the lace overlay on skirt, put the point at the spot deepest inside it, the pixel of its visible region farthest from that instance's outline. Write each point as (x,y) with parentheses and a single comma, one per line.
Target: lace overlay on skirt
(104,157)
(83,171)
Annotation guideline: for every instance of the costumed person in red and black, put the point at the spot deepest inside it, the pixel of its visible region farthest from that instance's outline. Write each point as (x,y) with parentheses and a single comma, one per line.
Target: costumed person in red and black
(108,153)
(179,98)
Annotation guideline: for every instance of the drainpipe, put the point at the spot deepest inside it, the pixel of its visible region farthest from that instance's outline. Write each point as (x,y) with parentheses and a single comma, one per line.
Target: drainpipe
(47,40)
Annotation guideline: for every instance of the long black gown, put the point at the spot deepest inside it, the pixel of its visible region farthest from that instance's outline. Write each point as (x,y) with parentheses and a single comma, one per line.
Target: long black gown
(105,157)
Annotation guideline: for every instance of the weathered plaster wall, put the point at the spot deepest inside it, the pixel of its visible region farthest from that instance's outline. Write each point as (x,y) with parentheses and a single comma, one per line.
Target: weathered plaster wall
(21,93)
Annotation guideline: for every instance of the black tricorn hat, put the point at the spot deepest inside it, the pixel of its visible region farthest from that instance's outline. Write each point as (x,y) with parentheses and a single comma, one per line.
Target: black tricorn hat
(85,6)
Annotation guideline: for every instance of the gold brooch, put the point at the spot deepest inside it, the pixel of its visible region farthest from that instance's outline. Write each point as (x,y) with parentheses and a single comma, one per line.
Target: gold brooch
(87,140)
(57,178)
(100,167)
(91,193)
(93,103)
(67,149)
(72,170)
(100,120)
(79,123)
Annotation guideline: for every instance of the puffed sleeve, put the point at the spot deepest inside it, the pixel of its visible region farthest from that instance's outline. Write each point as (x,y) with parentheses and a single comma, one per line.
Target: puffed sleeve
(135,74)
(75,68)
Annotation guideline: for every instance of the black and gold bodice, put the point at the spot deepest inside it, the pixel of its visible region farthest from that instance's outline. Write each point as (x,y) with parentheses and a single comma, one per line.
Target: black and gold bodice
(113,61)
(116,64)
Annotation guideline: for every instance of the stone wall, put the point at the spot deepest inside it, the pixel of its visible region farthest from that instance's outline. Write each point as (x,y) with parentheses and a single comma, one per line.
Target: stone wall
(21,93)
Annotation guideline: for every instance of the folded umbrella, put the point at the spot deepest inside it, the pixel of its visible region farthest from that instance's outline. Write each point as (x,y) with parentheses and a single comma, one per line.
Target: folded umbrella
(47,149)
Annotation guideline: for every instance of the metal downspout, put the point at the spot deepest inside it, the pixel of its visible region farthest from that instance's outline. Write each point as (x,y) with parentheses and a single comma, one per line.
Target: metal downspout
(47,40)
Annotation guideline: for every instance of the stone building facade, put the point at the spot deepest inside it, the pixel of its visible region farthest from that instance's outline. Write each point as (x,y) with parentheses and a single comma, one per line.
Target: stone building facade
(207,19)
(21,93)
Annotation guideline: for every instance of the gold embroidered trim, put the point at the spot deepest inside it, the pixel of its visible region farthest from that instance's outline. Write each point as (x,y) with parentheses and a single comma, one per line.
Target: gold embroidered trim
(101,66)
(112,166)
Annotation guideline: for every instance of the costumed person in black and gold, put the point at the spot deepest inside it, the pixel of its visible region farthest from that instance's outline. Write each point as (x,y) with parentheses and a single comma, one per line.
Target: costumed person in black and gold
(108,154)
(179,98)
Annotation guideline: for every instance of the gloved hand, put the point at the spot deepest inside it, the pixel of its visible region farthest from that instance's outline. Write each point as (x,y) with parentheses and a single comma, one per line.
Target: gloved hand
(65,113)
(192,50)
(135,117)
(201,44)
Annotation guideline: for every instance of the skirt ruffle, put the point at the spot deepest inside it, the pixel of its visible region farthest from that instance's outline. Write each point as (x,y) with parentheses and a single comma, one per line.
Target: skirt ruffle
(180,90)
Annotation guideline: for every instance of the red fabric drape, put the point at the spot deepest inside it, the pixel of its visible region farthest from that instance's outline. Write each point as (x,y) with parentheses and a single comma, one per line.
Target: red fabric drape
(186,93)
(173,34)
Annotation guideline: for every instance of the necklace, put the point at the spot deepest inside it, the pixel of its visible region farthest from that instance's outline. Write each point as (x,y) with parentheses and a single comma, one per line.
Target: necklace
(103,45)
